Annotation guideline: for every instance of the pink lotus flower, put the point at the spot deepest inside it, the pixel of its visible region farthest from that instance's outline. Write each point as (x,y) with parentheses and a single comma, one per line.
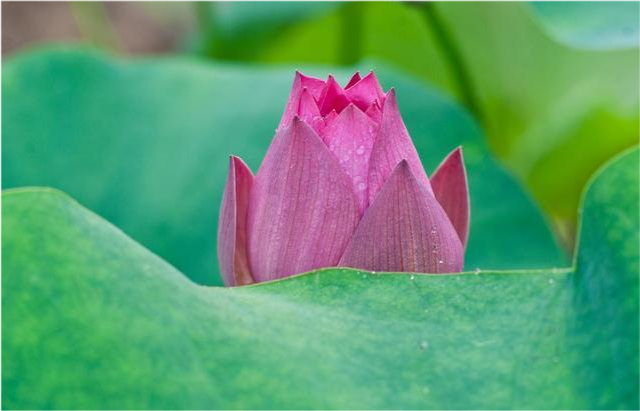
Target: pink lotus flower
(342,185)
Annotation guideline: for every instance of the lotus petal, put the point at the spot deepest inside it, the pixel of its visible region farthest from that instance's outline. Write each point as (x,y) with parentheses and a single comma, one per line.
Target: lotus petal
(232,227)
(350,138)
(374,112)
(308,111)
(300,82)
(353,80)
(365,92)
(333,97)
(328,119)
(405,229)
(393,144)
(302,208)
(449,183)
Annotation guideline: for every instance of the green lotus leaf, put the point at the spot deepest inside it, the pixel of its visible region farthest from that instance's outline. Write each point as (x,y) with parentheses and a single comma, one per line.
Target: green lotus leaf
(91,319)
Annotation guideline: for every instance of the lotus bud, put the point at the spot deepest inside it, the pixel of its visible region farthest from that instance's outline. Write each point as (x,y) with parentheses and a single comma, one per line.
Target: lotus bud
(342,185)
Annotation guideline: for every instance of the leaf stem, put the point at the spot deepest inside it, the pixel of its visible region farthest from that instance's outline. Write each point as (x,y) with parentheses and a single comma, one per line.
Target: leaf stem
(452,55)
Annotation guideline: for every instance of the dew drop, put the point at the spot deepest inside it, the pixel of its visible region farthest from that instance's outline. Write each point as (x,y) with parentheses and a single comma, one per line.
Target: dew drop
(360,150)
(551,281)
(345,157)
(440,262)
(362,186)
(477,271)
(412,277)
(424,344)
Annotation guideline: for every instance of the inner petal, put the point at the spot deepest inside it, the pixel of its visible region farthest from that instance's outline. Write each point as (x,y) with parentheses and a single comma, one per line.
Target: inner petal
(309,113)
(365,92)
(374,112)
(350,137)
(332,98)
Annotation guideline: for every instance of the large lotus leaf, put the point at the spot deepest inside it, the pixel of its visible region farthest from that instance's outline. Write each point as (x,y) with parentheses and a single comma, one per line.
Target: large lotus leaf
(591,24)
(553,112)
(91,319)
(146,145)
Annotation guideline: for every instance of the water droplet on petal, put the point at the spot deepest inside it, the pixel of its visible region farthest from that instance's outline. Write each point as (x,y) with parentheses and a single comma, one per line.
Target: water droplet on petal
(362,186)
(360,150)
(440,262)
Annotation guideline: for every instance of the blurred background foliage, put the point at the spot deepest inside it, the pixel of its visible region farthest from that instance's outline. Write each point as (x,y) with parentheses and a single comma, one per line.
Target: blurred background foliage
(553,85)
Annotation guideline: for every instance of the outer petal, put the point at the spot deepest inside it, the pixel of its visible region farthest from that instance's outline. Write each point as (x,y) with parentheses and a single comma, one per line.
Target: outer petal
(392,145)
(232,227)
(332,98)
(364,92)
(405,229)
(302,209)
(449,183)
(350,138)
(300,82)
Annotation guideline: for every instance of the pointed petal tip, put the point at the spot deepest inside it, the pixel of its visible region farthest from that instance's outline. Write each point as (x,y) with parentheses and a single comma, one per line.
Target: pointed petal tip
(233,158)
(350,109)
(231,236)
(301,75)
(371,73)
(298,122)
(418,235)
(450,186)
(391,94)
(353,80)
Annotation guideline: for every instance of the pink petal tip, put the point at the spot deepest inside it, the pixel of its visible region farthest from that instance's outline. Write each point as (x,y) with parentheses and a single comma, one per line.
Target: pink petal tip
(232,225)
(449,183)
(405,230)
